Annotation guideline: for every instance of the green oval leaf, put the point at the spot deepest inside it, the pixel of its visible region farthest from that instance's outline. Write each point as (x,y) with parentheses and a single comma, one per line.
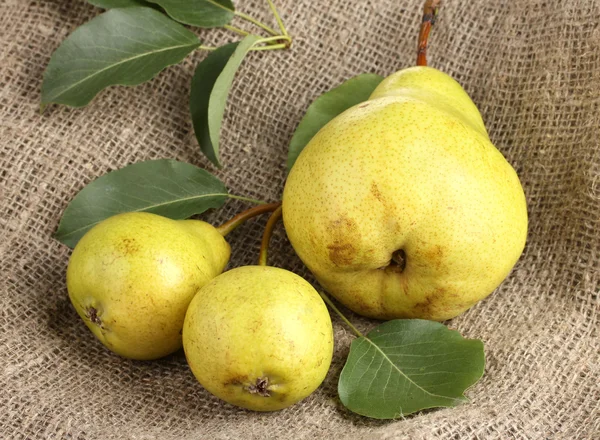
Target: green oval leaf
(110,4)
(210,87)
(328,106)
(407,365)
(201,13)
(122,46)
(169,188)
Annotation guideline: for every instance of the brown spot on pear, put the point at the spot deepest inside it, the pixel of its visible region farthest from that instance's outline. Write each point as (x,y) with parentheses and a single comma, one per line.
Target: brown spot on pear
(344,234)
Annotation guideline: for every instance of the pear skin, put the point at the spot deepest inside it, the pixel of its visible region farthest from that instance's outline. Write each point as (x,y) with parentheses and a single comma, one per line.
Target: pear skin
(401,206)
(132,277)
(258,337)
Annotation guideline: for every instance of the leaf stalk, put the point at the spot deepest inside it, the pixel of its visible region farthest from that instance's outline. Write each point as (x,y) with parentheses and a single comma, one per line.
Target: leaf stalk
(278,18)
(261,25)
(340,314)
(273,47)
(247,199)
(237,30)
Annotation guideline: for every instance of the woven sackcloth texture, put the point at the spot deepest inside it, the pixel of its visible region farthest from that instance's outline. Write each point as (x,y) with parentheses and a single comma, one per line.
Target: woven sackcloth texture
(531,66)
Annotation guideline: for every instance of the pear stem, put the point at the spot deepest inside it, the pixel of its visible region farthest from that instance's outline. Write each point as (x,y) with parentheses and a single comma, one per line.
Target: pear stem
(239,219)
(264,245)
(430,12)
(340,314)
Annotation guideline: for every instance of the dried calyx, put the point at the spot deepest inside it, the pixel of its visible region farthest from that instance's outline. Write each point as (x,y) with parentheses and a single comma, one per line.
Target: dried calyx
(261,387)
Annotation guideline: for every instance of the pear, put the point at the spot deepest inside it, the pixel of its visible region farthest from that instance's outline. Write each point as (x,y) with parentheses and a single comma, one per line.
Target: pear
(258,337)
(132,277)
(401,206)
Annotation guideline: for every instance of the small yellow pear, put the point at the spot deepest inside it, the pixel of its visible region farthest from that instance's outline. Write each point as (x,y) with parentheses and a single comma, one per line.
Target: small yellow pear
(258,337)
(132,277)
(402,207)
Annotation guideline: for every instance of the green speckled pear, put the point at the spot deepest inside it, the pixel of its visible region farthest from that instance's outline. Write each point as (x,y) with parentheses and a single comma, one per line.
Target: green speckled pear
(258,337)
(132,277)
(402,207)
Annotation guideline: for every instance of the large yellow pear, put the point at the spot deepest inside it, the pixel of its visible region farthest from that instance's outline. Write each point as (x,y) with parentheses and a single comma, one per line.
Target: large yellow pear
(402,207)
(132,277)
(258,337)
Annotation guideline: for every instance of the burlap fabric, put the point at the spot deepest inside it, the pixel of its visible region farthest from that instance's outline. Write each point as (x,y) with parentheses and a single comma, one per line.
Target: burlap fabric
(533,68)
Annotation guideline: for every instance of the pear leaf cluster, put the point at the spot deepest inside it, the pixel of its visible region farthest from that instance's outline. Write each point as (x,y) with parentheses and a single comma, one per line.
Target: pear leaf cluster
(407,365)
(173,189)
(136,39)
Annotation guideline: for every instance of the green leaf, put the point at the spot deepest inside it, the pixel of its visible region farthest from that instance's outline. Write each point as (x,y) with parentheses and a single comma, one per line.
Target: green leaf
(169,188)
(122,46)
(328,106)
(201,13)
(210,87)
(407,365)
(110,4)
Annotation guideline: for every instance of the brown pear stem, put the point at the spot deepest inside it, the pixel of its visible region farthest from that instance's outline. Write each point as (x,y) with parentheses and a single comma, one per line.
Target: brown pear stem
(264,245)
(239,219)
(430,11)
